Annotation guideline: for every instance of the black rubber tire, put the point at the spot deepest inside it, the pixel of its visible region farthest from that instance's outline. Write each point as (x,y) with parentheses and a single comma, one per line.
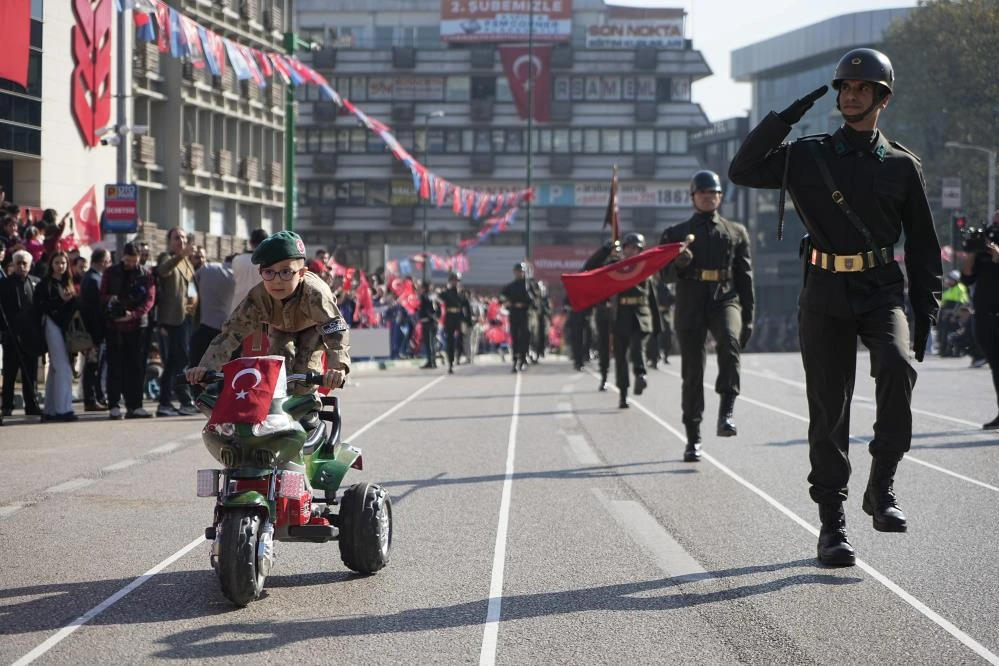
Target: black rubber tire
(365,528)
(238,572)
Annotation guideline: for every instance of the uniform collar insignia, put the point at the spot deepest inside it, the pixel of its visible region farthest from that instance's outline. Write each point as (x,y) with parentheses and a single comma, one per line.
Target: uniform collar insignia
(881,151)
(840,145)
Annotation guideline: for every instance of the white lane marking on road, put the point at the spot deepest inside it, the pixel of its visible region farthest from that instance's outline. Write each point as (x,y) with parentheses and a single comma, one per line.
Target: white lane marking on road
(581,450)
(563,410)
(568,388)
(53,640)
(922,608)
(9,509)
(120,465)
(165,448)
(490,633)
(191,438)
(646,531)
(69,486)
(909,457)
(398,406)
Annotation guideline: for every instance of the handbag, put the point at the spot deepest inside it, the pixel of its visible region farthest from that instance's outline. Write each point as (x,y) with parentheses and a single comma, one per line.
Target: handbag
(77,338)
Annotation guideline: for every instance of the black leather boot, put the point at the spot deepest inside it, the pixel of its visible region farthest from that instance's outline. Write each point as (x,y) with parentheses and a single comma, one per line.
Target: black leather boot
(834,549)
(879,499)
(693,451)
(640,384)
(622,403)
(603,382)
(726,427)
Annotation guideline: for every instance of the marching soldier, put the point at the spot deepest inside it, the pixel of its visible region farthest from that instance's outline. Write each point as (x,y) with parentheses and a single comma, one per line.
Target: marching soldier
(714,292)
(520,299)
(429,314)
(659,346)
(603,312)
(457,311)
(856,192)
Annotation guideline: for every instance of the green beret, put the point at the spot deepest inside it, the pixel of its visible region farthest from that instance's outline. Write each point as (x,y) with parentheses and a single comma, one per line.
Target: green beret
(278,247)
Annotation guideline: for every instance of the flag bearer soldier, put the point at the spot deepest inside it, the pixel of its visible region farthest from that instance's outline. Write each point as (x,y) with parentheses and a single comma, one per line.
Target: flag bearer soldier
(457,311)
(856,192)
(714,292)
(520,298)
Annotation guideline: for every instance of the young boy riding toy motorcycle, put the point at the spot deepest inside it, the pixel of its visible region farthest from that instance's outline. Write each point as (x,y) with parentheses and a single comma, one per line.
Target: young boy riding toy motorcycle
(301,311)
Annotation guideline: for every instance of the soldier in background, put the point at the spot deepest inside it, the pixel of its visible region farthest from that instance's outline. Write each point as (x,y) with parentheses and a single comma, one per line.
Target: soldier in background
(429,314)
(520,299)
(542,320)
(602,312)
(714,292)
(457,311)
(659,346)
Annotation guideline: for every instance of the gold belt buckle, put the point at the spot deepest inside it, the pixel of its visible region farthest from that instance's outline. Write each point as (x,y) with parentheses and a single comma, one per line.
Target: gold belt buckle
(711,275)
(848,263)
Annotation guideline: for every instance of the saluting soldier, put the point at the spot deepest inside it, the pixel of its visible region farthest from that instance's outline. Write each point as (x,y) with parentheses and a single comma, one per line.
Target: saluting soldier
(714,292)
(856,192)
(457,311)
(520,299)
(603,312)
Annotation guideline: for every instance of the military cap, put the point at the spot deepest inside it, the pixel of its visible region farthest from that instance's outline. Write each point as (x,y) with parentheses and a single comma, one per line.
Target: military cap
(705,181)
(519,266)
(865,65)
(636,239)
(278,247)
(454,275)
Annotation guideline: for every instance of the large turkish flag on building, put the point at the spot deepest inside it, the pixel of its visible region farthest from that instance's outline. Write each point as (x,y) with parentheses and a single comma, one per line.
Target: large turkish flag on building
(15,17)
(248,387)
(592,287)
(522,65)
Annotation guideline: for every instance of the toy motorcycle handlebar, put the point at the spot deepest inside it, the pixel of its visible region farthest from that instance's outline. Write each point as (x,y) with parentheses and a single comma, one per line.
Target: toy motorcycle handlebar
(312,378)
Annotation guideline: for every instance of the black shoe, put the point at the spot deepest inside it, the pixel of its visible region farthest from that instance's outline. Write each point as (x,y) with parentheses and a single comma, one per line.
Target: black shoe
(603,384)
(726,426)
(833,548)
(693,451)
(622,402)
(640,384)
(514,368)
(879,499)
(654,365)
(32,411)
(450,370)
(68,417)
(7,412)
(991,425)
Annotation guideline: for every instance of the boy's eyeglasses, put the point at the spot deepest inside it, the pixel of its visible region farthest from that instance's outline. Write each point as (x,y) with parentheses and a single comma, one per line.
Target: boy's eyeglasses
(286,274)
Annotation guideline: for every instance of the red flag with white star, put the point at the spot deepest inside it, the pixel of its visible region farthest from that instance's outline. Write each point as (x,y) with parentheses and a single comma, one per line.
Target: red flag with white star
(249,386)
(592,287)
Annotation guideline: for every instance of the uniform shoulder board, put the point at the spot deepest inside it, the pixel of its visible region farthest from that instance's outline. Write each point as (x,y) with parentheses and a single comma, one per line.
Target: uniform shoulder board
(813,137)
(898,146)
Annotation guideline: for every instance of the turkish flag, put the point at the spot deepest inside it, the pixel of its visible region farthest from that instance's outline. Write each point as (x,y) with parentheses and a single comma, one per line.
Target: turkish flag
(592,287)
(15,17)
(87,224)
(249,386)
(523,65)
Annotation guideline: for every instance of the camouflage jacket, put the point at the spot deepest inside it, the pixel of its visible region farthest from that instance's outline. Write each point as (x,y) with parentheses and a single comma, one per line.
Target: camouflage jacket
(312,304)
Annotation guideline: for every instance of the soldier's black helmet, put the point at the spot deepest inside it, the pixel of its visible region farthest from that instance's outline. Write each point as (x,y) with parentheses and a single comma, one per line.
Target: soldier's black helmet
(519,266)
(454,276)
(865,65)
(705,181)
(636,239)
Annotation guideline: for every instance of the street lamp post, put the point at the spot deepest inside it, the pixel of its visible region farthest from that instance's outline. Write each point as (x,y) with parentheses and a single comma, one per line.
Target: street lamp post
(426,163)
(992,169)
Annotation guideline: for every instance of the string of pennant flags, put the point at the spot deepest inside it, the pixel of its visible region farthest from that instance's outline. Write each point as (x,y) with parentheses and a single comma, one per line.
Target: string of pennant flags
(182,37)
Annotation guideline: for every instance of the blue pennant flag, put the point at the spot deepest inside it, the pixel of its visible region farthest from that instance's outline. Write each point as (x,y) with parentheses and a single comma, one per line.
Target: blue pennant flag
(177,49)
(206,46)
(239,65)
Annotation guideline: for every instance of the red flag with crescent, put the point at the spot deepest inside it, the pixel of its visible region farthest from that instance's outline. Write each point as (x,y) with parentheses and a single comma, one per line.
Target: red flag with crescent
(86,220)
(525,66)
(592,287)
(249,385)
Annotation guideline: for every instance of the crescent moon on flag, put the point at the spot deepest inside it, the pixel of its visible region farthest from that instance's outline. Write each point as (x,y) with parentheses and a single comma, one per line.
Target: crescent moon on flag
(626,272)
(247,371)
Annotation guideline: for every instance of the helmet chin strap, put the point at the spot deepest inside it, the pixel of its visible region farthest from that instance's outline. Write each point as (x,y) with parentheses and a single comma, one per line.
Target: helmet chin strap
(879,97)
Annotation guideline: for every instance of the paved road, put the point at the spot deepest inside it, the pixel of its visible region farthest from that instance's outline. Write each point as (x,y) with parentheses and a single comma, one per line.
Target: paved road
(534,523)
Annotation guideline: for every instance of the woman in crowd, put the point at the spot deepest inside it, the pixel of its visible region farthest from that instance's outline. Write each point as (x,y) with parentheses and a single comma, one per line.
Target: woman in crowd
(56,301)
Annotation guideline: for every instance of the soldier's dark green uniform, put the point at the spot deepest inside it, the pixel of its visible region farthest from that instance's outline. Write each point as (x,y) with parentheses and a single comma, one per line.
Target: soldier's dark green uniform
(852,284)
(603,312)
(457,311)
(714,292)
(520,299)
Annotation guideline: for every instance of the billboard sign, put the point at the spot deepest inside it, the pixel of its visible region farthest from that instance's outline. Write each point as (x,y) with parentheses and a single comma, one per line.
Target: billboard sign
(633,33)
(470,21)
(630,194)
(121,208)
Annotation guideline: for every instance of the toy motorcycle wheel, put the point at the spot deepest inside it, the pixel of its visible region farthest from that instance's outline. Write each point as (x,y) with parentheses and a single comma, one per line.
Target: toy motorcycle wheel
(238,570)
(365,528)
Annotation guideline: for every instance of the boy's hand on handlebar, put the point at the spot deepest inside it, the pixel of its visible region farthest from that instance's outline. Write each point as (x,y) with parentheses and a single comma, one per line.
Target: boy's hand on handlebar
(334,379)
(195,375)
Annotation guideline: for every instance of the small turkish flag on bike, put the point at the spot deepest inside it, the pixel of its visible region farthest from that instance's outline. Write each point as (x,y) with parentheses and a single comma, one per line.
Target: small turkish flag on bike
(249,386)
(592,287)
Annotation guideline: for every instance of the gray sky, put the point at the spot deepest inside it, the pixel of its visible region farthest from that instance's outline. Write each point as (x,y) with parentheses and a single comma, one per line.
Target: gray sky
(720,26)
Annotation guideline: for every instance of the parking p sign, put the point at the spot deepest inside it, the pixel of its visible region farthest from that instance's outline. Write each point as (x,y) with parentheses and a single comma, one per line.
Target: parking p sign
(121,208)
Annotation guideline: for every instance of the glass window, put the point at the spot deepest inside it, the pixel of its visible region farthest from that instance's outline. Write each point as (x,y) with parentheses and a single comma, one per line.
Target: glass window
(627,141)
(612,141)
(342,141)
(358,140)
(663,89)
(357,193)
(359,88)
(428,37)
(645,141)
(591,141)
(576,141)
(662,141)
(499,141)
(678,141)
(503,93)
(467,140)
(384,37)
(436,136)
(514,141)
(38,9)
(407,138)
(482,141)
(375,143)
(544,141)
(452,141)
(458,89)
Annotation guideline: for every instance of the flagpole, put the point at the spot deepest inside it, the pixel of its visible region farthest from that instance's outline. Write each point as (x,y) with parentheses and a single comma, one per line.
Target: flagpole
(121,113)
(530,126)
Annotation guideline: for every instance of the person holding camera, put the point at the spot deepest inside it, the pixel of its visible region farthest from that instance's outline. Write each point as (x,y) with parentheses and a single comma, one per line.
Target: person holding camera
(128,292)
(981,270)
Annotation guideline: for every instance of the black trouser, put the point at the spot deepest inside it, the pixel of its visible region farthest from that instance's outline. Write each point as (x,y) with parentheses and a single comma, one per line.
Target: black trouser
(657,347)
(27,365)
(724,320)
(829,354)
(173,347)
(520,336)
(126,367)
(603,341)
(200,340)
(453,340)
(987,337)
(428,331)
(93,369)
(578,323)
(628,338)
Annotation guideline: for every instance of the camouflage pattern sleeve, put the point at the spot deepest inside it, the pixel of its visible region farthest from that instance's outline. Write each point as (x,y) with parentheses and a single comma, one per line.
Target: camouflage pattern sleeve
(244,321)
(320,306)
